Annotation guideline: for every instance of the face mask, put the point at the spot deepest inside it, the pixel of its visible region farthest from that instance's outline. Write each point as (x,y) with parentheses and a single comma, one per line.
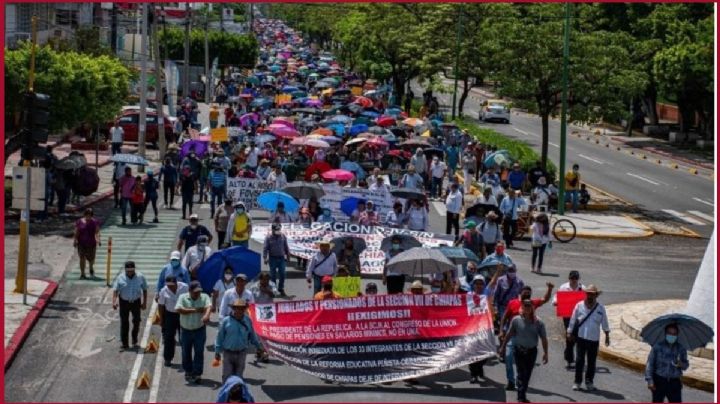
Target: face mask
(435,289)
(499,250)
(671,339)
(228,277)
(511,275)
(175,263)
(202,245)
(192,155)
(275,232)
(240,211)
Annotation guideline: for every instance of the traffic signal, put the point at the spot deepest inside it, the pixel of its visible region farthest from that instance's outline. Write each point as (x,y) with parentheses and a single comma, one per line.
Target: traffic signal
(37,114)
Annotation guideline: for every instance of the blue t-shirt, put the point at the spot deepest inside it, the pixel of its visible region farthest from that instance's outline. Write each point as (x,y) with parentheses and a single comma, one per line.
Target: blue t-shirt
(516,179)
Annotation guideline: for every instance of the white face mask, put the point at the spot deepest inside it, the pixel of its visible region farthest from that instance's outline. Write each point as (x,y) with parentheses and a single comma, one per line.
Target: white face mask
(228,277)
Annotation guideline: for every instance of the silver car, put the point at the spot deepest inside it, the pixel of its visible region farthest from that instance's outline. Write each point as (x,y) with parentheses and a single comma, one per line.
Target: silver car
(495,112)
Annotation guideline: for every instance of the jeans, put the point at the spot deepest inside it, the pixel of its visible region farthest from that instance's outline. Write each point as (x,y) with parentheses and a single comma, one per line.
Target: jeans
(452,221)
(509,229)
(116,148)
(666,388)
(317,284)
(193,341)
(277,271)
(233,364)
(169,188)
(127,308)
(436,187)
(537,254)
(151,200)
(116,193)
(124,202)
(170,328)
(590,349)
(187,203)
(569,344)
(525,362)
(572,196)
(136,212)
(217,195)
(509,359)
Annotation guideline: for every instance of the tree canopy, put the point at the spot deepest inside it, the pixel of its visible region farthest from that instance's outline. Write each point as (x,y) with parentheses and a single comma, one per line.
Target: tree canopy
(230,49)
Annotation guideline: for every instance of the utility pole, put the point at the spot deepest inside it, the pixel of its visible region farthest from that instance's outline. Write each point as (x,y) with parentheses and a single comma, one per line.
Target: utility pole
(159,93)
(563,113)
(142,124)
(186,56)
(113,29)
(207,57)
(457,58)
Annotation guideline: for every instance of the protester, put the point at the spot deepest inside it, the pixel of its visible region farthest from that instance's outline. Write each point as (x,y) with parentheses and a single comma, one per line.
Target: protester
(412,179)
(588,317)
(276,254)
(453,205)
(472,240)
(516,178)
(539,239)
(572,186)
(490,231)
(277,177)
(509,208)
(235,335)
(126,185)
(187,190)
(220,220)
(116,138)
(130,295)
(169,317)
(173,268)
(323,263)
(280,215)
(487,197)
(194,308)
(217,182)
(349,258)
(239,227)
(525,330)
(394,280)
(395,217)
(438,169)
(479,292)
(222,285)
(264,290)
(86,239)
(235,390)
(326,292)
(573,285)
(369,216)
(416,216)
(665,365)
(190,234)
(498,256)
(169,177)
(240,291)
(417,288)
(196,255)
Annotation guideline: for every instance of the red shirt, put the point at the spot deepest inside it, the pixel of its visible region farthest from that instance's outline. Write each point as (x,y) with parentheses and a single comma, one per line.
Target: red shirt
(514,306)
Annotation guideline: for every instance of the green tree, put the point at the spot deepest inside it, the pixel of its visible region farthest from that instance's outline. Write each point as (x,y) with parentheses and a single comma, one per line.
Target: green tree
(229,48)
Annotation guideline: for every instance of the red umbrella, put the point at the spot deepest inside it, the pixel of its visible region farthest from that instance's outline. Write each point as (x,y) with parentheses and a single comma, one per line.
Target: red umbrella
(385,121)
(377,141)
(338,175)
(363,102)
(399,153)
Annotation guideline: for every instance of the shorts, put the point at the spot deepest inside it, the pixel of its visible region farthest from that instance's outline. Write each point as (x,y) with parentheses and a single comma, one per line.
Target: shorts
(87,252)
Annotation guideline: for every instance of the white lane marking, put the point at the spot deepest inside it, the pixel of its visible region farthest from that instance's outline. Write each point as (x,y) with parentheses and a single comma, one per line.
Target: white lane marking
(643,178)
(440,208)
(525,133)
(702,215)
(705,202)
(553,145)
(685,218)
(594,160)
(139,358)
(156,375)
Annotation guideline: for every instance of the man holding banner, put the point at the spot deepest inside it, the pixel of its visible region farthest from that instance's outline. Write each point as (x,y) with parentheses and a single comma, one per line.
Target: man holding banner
(565,304)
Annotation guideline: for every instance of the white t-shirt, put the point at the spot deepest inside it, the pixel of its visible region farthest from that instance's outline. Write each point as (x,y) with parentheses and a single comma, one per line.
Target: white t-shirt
(453,202)
(169,299)
(116,134)
(252,157)
(438,170)
(229,297)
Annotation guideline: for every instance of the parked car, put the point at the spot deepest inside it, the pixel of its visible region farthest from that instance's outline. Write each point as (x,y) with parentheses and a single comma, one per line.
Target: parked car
(129,122)
(495,110)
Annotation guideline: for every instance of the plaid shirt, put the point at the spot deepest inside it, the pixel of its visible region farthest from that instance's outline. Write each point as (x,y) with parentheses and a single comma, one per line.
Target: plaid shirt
(661,359)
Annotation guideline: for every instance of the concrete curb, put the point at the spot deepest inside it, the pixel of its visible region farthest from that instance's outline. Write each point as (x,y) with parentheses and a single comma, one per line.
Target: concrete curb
(668,155)
(21,334)
(602,191)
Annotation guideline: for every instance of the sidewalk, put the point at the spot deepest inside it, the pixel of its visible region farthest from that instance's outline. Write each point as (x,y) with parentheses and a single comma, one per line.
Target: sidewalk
(20,318)
(594,225)
(626,348)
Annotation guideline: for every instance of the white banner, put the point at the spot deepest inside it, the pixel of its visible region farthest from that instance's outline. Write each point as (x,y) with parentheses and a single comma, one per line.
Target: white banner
(335,194)
(247,190)
(301,240)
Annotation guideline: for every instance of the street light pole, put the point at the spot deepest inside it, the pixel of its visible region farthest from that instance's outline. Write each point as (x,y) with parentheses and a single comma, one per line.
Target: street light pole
(457,58)
(563,113)
(142,124)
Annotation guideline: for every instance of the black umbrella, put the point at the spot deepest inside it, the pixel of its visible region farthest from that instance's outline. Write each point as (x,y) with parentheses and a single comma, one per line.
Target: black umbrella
(434,151)
(420,261)
(479,210)
(304,190)
(692,333)
(342,91)
(359,244)
(71,163)
(408,193)
(406,242)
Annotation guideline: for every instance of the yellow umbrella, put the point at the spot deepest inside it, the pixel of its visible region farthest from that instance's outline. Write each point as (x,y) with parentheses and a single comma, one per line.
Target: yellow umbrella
(426,133)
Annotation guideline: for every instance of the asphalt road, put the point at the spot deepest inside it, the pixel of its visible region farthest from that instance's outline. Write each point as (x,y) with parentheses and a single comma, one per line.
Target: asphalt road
(662,193)
(72,354)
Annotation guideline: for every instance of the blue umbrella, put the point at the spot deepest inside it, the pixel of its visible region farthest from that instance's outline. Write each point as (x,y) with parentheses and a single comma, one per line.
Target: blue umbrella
(275,68)
(344,119)
(459,255)
(497,158)
(289,89)
(338,128)
(348,205)
(240,259)
(200,148)
(269,201)
(393,112)
(370,114)
(358,128)
(692,333)
(128,159)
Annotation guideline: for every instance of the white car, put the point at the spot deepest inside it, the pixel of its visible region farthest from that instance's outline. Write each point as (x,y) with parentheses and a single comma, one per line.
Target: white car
(495,110)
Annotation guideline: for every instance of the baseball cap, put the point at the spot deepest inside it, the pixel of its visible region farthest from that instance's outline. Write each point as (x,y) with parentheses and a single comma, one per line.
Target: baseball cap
(195,286)
(241,276)
(175,255)
(327,279)
(371,286)
(194,216)
(574,274)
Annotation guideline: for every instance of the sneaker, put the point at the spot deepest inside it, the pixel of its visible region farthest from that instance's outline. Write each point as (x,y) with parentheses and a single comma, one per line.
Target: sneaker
(168,364)
(188,377)
(576,386)
(589,386)
(156,220)
(510,386)
(197,379)
(473,380)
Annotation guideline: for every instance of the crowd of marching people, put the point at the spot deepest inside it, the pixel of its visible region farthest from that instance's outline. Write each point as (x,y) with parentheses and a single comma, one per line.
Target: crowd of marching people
(300,117)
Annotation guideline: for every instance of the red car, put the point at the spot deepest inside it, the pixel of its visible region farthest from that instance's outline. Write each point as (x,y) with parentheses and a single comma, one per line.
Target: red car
(129,122)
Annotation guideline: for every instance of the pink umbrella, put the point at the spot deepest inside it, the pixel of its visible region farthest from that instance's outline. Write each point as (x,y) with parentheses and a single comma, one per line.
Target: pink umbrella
(313,103)
(317,143)
(204,138)
(276,126)
(338,175)
(283,121)
(377,141)
(285,132)
(244,120)
(385,121)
